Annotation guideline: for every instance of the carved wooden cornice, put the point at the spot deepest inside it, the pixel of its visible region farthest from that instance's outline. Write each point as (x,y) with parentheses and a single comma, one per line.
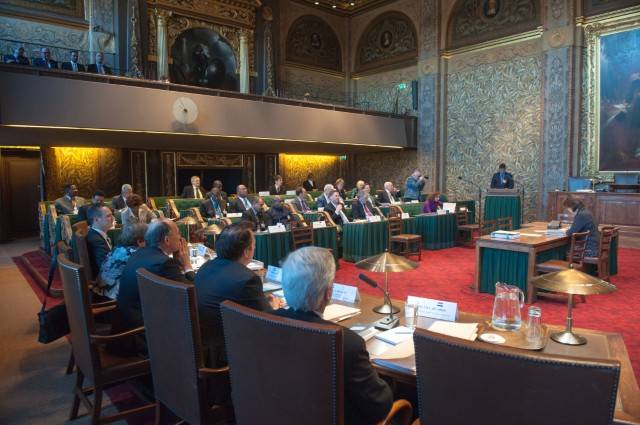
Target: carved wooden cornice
(230,12)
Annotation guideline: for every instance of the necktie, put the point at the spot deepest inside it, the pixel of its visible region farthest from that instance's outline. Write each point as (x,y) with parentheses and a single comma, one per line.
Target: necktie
(246,203)
(304,206)
(367,211)
(216,207)
(196,193)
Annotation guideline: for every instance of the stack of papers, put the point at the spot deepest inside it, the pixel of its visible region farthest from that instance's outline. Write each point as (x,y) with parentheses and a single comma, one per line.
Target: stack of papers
(255,265)
(556,232)
(396,335)
(271,286)
(503,234)
(401,357)
(468,331)
(338,312)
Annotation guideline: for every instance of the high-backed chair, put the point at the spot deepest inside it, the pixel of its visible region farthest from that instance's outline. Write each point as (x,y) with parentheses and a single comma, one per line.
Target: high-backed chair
(181,382)
(94,364)
(302,235)
(172,209)
(409,244)
(80,226)
(487,227)
(469,382)
(283,385)
(81,254)
(604,252)
(465,231)
(574,257)
(395,211)
(327,218)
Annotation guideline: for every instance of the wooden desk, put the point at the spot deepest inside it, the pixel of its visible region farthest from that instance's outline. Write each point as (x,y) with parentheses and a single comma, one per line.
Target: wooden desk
(621,209)
(600,345)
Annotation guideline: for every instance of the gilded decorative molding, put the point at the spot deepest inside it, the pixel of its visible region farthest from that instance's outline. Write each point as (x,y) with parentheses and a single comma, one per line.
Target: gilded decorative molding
(209,160)
(242,13)
(267,16)
(312,42)
(494,115)
(596,7)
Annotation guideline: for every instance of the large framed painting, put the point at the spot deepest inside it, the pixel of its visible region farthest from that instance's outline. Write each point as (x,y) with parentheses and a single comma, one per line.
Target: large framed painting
(613,91)
(62,8)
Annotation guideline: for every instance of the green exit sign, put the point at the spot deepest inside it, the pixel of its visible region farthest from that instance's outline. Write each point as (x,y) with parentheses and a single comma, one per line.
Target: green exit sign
(402,86)
(343,157)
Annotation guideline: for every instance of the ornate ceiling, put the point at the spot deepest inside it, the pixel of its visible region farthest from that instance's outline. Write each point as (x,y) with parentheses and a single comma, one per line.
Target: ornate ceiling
(346,7)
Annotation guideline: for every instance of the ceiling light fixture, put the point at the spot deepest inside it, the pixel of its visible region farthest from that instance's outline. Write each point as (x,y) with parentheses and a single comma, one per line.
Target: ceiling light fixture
(353,3)
(333,6)
(316,3)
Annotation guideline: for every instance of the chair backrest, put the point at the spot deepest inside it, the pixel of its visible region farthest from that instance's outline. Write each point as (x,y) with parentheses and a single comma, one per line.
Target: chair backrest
(462,218)
(578,246)
(195,212)
(302,235)
(504,223)
(604,249)
(395,211)
(468,382)
(327,218)
(63,248)
(283,369)
(625,178)
(80,226)
(80,252)
(488,226)
(395,226)
(172,209)
(172,331)
(81,322)
(378,211)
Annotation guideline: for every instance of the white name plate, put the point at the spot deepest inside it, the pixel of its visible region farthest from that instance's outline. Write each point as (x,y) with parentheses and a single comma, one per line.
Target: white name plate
(234,215)
(320,209)
(291,192)
(345,293)
(373,219)
(274,274)
(319,224)
(435,309)
(277,229)
(264,193)
(405,215)
(441,212)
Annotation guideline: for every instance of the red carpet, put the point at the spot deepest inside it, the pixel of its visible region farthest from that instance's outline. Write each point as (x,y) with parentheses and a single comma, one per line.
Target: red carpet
(447,275)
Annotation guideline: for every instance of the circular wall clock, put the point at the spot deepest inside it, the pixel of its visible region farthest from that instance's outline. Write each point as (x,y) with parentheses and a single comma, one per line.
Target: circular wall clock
(185,110)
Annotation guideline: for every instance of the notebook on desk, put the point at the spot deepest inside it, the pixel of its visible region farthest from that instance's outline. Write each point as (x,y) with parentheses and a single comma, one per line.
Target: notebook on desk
(401,357)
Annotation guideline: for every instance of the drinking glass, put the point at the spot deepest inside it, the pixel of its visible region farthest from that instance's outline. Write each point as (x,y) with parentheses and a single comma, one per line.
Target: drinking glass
(533,332)
(411,315)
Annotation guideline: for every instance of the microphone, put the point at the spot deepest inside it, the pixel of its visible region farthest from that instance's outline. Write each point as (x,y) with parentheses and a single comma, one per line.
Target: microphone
(390,321)
(368,280)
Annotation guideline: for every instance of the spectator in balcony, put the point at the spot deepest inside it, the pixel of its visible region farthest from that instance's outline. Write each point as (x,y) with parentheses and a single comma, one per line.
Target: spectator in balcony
(309,184)
(45,61)
(17,57)
(99,67)
(278,187)
(73,64)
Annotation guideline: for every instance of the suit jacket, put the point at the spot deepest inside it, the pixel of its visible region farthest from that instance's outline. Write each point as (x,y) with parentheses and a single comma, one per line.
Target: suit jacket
(64,205)
(584,222)
(188,192)
(208,210)
(219,280)
(256,219)
(321,201)
(83,212)
(383,197)
(357,211)
(274,191)
(413,187)
(94,68)
(118,202)
(21,60)
(237,206)
(337,218)
(98,249)
(68,67)
(40,63)
(368,398)
(298,204)
(309,186)
(155,261)
(275,216)
(496,181)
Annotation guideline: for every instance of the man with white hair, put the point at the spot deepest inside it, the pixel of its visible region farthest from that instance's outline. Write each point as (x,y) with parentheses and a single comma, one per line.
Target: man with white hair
(389,195)
(119,202)
(307,281)
(323,200)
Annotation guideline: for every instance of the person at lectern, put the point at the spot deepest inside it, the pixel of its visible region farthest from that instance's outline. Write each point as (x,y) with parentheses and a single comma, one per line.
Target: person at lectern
(502,179)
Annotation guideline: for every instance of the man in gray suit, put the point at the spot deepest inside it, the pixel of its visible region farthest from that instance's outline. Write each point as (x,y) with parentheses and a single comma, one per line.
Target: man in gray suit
(70,201)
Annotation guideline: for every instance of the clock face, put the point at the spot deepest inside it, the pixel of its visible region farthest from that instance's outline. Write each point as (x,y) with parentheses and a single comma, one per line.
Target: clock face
(185,110)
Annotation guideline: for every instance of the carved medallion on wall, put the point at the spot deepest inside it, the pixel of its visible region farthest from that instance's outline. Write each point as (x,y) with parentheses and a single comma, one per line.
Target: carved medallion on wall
(477,21)
(208,160)
(389,39)
(312,42)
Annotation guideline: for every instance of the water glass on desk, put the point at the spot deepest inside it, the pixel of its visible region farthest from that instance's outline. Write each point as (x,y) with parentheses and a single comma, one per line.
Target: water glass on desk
(533,332)
(411,315)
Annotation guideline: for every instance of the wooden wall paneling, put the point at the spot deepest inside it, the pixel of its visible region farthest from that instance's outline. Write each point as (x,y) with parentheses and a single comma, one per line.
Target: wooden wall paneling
(139,172)
(249,172)
(168,173)
(619,209)
(270,170)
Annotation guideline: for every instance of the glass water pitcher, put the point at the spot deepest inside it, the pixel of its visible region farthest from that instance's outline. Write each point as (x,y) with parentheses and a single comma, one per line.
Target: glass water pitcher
(506,307)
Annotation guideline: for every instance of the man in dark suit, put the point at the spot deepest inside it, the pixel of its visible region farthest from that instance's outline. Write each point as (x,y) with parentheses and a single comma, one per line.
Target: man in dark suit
(362,207)
(161,240)
(242,201)
(323,200)
(278,213)
(389,195)
(309,184)
(307,282)
(227,278)
(193,191)
(300,201)
(256,216)
(223,194)
(336,209)
(73,64)
(45,60)
(277,188)
(99,67)
(70,201)
(98,243)
(502,179)
(17,57)
(583,221)
(213,207)
(96,200)
(119,202)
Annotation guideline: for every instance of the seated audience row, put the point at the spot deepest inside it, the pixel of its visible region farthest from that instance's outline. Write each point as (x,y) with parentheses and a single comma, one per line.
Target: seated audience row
(45,61)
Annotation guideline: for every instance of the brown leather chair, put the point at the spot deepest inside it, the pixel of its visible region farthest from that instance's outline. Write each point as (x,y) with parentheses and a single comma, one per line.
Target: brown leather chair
(409,244)
(574,258)
(94,364)
(181,382)
(327,218)
(263,352)
(604,252)
(172,209)
(80,252)
(470,382)
(80,226)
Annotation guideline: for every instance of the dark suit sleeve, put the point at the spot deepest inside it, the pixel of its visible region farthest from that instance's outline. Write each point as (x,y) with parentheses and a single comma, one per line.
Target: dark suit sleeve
(98,249)
(579,224)
(509,179)
(383,198)
(173,270)
(253,296)
(494,181)
(203,210)
(357,212)
(185,192)
(368,395)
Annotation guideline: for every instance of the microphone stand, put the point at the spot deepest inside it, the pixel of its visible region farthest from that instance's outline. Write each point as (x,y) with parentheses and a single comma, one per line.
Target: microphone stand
(387,322)
(477,186)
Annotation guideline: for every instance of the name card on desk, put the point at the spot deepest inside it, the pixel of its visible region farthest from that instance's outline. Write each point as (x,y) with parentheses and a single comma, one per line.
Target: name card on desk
(320,209)
(274,274)
(373,219)
(414,201)
(234,215)
(405,215)
(435,309)
(441,212)
(345,293)
(264,193)
(319,224)
(291,192)
(278,228)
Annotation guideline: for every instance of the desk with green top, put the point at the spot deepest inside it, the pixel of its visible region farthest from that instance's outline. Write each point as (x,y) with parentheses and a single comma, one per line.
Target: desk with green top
(271,248)
(514,261)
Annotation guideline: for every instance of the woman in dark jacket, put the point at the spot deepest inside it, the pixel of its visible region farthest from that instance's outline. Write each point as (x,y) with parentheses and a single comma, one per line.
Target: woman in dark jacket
(583,222)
